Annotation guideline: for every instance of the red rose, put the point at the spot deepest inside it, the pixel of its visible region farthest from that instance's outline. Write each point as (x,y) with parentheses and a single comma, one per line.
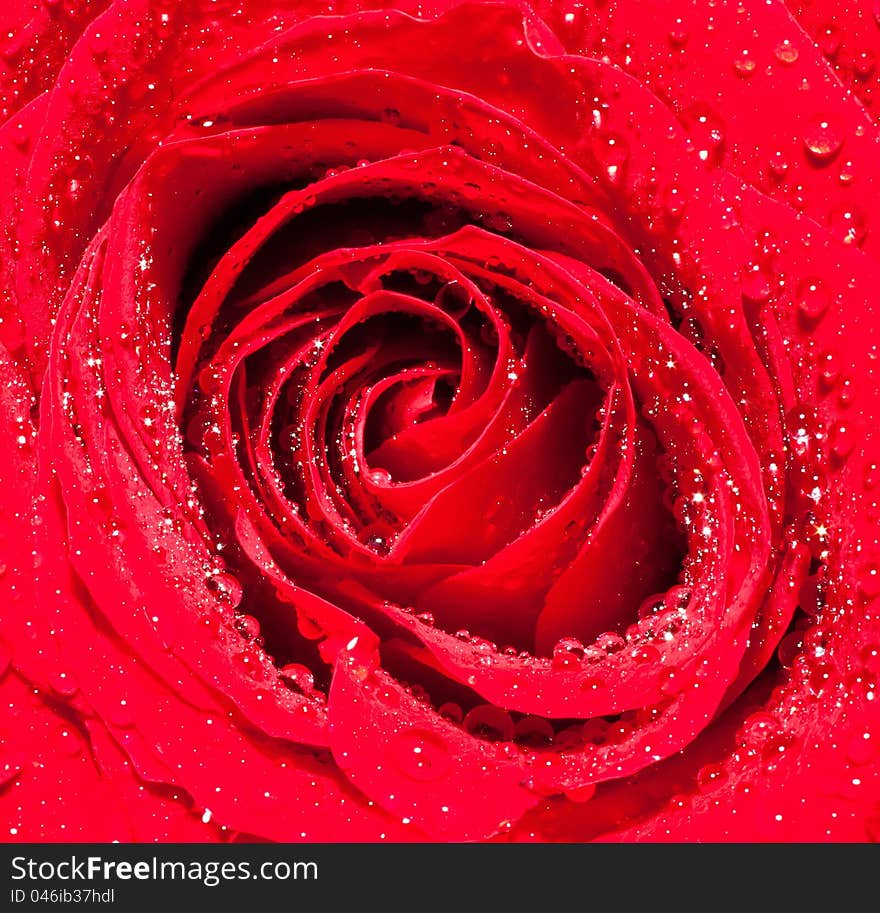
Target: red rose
(440,422)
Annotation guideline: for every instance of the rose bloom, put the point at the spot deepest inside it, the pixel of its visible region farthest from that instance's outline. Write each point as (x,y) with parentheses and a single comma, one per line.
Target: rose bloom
(439,421)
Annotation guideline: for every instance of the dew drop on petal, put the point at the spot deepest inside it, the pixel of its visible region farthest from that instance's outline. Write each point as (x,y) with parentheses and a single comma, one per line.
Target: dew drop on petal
(486,721)
(848,224)
(778,165)
(823,141)
(745,66)
(247,626)
(864,64)
(226,587)
(786,52)
(568,652)
(813,299)
(298,676)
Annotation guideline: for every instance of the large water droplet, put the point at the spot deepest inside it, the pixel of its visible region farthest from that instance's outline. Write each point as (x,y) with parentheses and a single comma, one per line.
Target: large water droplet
(786,52)
(299,676)
(250,664)
(489,722)
(451,711)
(823,141)
(226,587)
(247,626)
(378,476)
(534,732)
(567,653)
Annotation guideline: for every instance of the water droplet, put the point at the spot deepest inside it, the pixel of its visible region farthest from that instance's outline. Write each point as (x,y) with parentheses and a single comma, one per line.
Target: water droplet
(789,647)
(843,440)
(378,476)
(210,380)
(829,370)
(847,173)
(829,40)
(864,64)
(64,684)
(823,141)
(756,729)
(567,653)
(813,299)
(451,711)
(672,203)
(247,626)
(678,35)
(652,605)
(609,642)
(707,132)
(820,678)
(848,224)
(534,732)
(809,596)
(453,298)
(786,52)
(613,154)
(489,722)
(778,166)
(755,286)
(250,663)
(298,676)
(745,66)
(420,755)
(595,731)
(711,774)
(670,680)
(226,587)
(69,741)
(646,654)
